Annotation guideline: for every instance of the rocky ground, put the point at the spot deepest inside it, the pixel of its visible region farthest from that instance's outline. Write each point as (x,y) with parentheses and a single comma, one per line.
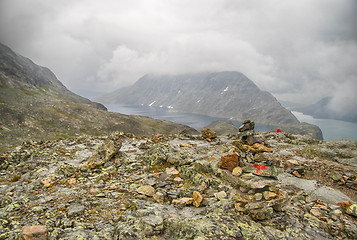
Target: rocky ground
(180,187)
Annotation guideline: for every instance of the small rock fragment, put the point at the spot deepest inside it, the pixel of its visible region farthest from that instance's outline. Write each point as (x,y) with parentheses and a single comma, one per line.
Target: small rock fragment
(237,171)
(37,232)
(220,195)
(197,198)
(146,190)
(269,195)
(183,201)
(352,210)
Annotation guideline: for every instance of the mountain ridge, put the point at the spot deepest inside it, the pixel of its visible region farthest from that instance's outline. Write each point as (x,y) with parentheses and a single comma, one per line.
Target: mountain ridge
(227,94)
(34,104)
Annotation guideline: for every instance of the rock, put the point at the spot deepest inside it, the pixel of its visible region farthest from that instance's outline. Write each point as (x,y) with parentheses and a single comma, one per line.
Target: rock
(105,152)
(37,232)
(146,190)
(292,163)
(75,210)
(229,161)
(172,171)
(237,171)
(183,201)
(208,134)
(262,214)
(66,169)
(269,195)
(159,197)
(352,210)
(344,204)
(197,198)
(220,195)
(258,196)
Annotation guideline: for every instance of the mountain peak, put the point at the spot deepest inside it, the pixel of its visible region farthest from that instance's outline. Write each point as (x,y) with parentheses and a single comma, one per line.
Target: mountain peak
(227,94)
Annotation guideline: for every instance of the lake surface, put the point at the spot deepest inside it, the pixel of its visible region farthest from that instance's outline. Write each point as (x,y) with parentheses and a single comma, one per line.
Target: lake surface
(331,129)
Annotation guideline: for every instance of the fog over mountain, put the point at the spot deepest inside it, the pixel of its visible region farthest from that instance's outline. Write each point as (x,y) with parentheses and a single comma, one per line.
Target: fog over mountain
(299,51)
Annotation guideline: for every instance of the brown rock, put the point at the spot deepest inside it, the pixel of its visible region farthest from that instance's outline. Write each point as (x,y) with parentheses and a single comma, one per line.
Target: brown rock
(197,198)
(296,174)
(229,161)
(37,232)
(344,204)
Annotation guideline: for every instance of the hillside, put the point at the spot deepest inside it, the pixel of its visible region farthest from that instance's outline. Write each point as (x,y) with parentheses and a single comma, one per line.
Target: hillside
(34,104)
(222,94)
(180,187)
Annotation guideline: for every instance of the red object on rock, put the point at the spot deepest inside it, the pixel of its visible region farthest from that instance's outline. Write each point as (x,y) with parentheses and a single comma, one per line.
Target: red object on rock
(278,130)
(258,168)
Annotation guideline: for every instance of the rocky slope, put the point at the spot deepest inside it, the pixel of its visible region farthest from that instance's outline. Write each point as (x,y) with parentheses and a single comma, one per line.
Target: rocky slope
(170,187)
(222,94)
(34,104)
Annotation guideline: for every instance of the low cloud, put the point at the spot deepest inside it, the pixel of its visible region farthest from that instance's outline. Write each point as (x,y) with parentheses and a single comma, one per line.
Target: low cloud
(298,50)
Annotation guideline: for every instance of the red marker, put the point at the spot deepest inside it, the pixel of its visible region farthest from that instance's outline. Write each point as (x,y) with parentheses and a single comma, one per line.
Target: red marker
(278,130)
(258,168)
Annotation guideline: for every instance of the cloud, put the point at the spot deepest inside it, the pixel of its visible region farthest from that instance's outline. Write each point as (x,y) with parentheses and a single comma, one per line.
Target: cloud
(298,50)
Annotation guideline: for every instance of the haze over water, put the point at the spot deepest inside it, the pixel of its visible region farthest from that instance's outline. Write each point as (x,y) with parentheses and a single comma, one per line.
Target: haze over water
(331,129)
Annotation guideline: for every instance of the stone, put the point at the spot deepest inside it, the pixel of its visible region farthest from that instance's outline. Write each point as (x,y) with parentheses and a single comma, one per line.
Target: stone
(36,232)
(229,161)
(105,152)
(352,210)
(344,204)
(146,190)
(262,214)
(178,179)
(269,195)
(292,163)
(258,196)
(316,212)
(197,198)
(75,210)
(172,171)
(159,197)
(237,171)
(208,134)
(182,201)
(220,195)
(47,182)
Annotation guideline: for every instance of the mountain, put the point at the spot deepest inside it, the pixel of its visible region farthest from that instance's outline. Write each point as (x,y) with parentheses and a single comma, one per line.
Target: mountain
(220,94)
(322,109)
(34,104)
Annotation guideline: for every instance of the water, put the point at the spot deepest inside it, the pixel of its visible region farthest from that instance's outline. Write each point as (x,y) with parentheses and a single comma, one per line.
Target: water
(196,121)
(331,129)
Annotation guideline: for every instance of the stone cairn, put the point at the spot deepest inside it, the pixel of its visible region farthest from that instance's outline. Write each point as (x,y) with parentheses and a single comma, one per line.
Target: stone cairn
(253,172)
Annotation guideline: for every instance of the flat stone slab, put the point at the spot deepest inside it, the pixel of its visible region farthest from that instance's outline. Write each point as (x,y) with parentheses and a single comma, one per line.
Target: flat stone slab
(326,194)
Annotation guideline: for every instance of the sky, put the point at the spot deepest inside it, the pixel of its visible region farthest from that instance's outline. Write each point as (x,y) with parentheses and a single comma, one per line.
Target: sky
(299,50)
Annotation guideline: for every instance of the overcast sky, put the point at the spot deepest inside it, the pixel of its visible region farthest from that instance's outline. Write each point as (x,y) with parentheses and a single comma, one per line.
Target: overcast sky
(299,50)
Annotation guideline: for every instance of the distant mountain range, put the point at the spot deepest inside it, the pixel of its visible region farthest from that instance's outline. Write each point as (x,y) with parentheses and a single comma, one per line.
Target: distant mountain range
(220,94)
(323,109)
(35,105)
